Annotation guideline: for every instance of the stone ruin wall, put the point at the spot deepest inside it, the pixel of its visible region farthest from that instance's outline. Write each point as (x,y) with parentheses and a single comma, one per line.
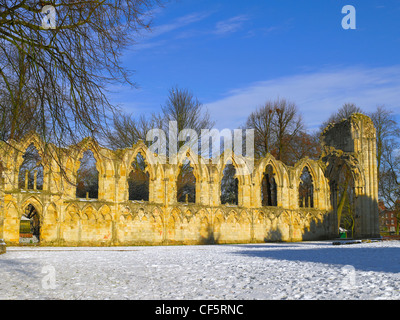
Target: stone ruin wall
(113,220)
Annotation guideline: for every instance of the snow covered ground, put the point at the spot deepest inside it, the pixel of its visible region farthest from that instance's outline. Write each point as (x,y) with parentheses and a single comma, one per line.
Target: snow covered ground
(310,270)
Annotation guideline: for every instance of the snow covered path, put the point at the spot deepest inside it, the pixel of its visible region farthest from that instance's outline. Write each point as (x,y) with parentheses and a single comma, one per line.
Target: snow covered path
(310,270)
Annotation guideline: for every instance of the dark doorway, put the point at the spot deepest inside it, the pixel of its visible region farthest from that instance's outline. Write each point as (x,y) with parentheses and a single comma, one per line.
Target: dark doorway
(29,230)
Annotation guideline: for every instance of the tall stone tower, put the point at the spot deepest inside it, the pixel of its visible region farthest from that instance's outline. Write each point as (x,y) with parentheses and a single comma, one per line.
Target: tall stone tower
(353,142)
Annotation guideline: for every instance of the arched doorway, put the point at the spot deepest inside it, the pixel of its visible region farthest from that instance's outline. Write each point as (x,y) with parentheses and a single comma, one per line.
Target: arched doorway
(29,228)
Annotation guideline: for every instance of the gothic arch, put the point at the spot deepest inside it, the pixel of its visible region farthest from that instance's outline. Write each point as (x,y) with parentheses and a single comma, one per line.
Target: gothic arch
(176,214)
(104,213)
(150,160)
(31,138)
(71,210)
(299,167)
(242,171)
(88,144)
(52,207)
(197,162)
(12,211)
(31,163)
(278,168)
(90,212)
(35,202)
(335,164)
(138,178)
(241,175)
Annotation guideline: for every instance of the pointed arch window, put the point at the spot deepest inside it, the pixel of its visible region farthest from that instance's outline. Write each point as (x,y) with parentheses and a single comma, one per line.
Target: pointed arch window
(87,178)
(306,190)
(30,174)
(186,183)
(269,188)
(229,185)
(138,180)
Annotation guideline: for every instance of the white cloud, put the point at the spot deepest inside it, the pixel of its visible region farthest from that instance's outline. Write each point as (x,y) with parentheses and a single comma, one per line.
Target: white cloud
(153,38)
(147,37)
(231,25)
(180,23)
(317,94)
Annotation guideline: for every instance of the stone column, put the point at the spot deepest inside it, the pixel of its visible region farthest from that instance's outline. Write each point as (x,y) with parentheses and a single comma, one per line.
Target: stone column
(26,179)
(368,162)
(35,180)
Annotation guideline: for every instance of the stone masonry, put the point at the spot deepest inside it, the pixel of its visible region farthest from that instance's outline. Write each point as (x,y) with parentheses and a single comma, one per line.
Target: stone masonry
(113,220)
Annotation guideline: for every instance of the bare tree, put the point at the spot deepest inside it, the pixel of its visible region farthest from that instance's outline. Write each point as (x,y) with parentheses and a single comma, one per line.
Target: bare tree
(276,125)
(389,174)
(343,113)
(128,130)
(63,70)
(187,111)
(181,107)
(287,124)
(387,134)
(18,106)
(388,158)
(261,121)
(303,145)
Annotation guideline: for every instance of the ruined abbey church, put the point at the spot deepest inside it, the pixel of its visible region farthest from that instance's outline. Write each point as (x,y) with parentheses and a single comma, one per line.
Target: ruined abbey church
(272,209)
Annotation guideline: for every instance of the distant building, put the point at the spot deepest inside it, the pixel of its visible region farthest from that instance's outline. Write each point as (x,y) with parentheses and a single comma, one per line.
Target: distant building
(387,219)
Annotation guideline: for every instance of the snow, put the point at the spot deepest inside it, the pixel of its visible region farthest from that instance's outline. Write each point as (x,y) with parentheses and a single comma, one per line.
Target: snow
(308,270)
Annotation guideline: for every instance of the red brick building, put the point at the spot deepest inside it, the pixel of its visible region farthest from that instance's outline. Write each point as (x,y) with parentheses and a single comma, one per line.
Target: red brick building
(388,219)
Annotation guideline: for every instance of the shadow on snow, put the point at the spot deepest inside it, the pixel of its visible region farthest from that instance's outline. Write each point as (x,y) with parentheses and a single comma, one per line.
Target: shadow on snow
(376,259)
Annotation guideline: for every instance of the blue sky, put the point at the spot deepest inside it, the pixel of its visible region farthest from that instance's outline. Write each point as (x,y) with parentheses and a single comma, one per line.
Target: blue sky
(236,55)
